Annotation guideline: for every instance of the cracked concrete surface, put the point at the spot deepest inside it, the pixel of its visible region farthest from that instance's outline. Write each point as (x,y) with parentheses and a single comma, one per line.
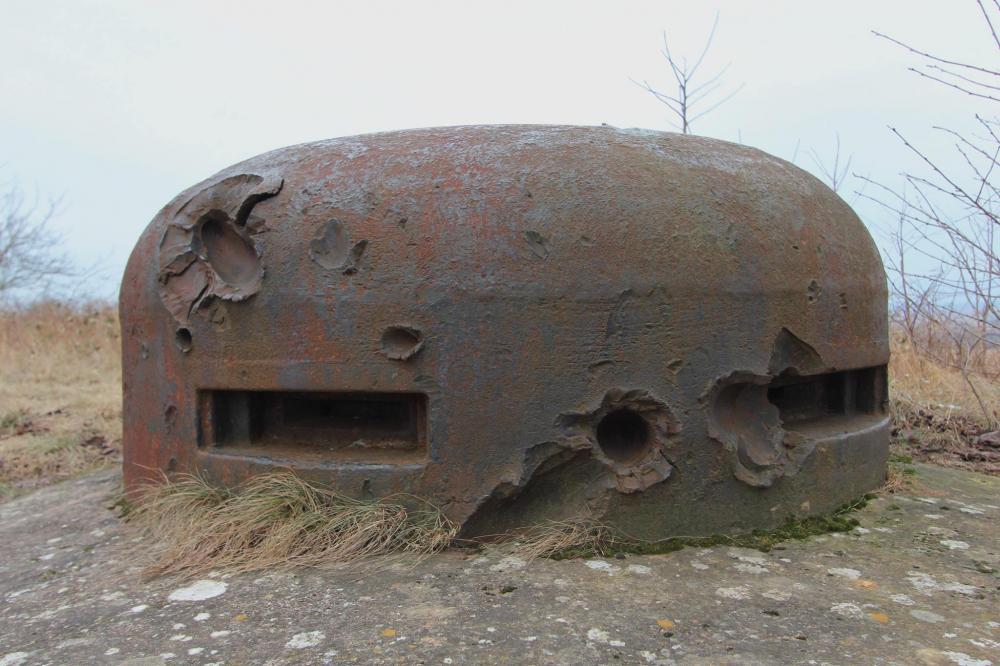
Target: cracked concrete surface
(916,584)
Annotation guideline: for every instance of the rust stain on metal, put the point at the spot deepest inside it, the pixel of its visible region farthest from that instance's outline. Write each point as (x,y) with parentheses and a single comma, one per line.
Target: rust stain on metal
(517,323)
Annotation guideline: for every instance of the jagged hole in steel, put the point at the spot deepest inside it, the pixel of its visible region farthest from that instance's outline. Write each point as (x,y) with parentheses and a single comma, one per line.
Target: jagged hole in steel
(231,255)
(623,435)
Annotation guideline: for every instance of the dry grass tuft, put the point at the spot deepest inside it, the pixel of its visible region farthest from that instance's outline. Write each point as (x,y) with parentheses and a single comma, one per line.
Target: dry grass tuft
(60,392)
(276,520)
(557,538)
(896,481)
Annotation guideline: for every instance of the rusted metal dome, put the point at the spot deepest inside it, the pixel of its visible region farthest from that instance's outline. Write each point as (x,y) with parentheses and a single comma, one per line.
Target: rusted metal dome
(671,334)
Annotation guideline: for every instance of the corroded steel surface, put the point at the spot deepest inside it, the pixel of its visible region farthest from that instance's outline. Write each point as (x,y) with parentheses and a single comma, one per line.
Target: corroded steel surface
(673,334)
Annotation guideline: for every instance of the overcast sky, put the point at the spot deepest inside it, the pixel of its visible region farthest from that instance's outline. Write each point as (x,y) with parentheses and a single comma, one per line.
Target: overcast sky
(118,105)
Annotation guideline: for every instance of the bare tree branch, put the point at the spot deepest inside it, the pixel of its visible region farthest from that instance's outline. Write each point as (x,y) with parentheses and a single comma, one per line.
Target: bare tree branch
(943,61)
(949,216)
(30,250)
(834,173)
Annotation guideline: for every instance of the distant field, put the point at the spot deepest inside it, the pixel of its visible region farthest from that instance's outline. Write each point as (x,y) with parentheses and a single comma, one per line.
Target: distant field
(60,393)
(60,399)
(942,415)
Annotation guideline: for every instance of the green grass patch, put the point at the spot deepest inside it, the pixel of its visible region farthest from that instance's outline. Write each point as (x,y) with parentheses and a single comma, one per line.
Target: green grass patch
(13,421)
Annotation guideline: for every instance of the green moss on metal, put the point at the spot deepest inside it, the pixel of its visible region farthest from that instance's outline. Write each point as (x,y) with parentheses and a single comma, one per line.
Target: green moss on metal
(794,529)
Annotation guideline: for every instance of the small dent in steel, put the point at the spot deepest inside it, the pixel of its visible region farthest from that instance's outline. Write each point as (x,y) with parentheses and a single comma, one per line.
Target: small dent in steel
(401,342)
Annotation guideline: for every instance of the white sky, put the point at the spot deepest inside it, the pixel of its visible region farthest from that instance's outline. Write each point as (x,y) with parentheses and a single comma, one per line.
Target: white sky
(118,105)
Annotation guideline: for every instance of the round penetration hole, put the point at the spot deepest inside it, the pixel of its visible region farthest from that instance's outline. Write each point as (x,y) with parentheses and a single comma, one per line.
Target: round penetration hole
(623,435)
(182,338)
(401,342)
(231,255)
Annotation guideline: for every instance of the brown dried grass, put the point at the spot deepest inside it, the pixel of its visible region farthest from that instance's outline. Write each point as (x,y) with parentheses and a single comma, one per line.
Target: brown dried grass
(896,481)
(277,520)
(60,392)
(918,381)
(557,538)
(939,410)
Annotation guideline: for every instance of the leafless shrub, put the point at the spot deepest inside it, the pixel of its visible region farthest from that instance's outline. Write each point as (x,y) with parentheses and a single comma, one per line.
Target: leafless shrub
(948,218)
(688,103)
(31,255)
(834,172)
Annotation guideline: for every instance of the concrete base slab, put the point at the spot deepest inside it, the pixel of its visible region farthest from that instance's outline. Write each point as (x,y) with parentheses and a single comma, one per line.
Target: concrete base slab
(916,584)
